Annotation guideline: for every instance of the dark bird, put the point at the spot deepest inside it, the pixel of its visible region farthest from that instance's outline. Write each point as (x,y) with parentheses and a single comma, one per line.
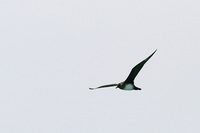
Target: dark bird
(128,84)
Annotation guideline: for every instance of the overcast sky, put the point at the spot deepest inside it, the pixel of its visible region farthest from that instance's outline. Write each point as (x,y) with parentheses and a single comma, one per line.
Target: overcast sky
(52,51)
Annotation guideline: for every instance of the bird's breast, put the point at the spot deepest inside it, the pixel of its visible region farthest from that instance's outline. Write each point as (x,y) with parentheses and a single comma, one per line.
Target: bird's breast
(128,87)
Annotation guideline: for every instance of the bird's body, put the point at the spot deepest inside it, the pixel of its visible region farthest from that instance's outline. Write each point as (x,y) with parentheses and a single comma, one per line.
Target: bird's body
(128,84)
(127,87)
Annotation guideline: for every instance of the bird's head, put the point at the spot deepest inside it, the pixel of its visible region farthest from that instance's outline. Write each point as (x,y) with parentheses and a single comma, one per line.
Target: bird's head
(120,85)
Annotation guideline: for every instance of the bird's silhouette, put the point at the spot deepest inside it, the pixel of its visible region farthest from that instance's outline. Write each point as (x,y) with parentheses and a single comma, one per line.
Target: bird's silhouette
(128,84)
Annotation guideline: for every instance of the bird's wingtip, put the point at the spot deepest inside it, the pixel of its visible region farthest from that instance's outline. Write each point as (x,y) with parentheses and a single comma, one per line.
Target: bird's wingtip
(154,52)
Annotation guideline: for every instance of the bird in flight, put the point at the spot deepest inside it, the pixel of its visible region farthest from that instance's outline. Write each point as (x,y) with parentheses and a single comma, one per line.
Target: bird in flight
(128,84)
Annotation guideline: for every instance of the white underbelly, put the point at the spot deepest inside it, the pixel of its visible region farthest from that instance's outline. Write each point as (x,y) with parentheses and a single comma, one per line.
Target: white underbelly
(128,87)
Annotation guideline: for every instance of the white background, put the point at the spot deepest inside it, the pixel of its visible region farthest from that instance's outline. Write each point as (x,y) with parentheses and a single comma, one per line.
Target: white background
(51,52)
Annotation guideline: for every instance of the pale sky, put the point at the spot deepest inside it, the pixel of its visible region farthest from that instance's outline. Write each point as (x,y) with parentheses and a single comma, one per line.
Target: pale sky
(51,52)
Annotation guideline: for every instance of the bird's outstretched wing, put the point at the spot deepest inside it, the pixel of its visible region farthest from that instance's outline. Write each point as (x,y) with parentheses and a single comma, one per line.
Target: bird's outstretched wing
(103,86)
(137,69)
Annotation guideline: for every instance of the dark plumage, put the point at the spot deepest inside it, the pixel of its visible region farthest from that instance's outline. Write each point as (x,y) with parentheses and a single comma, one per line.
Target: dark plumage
(128,84)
